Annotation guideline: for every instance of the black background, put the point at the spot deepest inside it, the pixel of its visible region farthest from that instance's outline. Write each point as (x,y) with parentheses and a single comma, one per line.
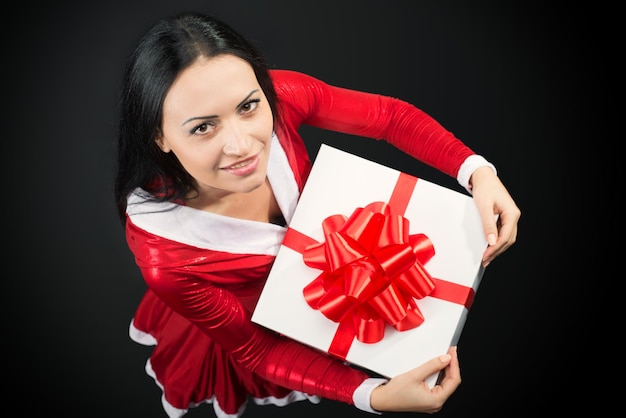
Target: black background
(506,79)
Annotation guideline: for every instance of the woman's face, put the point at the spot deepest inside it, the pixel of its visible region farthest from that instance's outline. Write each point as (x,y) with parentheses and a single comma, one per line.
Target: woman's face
(218,123)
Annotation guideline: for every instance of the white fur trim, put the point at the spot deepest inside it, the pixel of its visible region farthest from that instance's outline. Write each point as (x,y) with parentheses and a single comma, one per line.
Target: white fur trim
(216,232)
(362,394)
(470,165)
(140,337)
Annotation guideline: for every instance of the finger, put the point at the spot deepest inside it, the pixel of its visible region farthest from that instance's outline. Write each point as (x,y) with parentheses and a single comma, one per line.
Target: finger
(432,366)
(507,234)
(492,235)
(489,221)
(452,374)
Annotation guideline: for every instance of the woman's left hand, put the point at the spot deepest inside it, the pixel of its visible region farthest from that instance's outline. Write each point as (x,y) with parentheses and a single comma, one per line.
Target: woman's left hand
(498,211)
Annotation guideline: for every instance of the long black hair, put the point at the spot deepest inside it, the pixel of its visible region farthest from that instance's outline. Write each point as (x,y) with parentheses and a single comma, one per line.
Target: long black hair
(169,47)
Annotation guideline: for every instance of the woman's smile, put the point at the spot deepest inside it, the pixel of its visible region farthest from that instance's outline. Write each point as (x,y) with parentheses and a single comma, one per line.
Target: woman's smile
(244,167)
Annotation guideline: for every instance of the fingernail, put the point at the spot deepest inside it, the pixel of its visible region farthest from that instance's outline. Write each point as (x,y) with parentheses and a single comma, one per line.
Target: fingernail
(491,239)
(445,358)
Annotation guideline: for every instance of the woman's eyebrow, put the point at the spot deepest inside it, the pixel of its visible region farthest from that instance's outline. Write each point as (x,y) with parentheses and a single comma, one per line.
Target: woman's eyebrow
(247,97)
(198,117)
(215,116)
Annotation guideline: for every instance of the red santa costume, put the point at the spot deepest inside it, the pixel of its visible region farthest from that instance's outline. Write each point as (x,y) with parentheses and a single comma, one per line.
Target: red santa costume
(205,271)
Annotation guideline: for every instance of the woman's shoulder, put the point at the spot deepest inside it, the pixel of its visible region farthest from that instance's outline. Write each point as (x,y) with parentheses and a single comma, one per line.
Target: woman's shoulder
(295,81)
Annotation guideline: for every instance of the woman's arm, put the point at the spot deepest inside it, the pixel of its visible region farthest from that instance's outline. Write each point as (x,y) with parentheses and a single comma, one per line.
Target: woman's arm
(176,274)
(308,100)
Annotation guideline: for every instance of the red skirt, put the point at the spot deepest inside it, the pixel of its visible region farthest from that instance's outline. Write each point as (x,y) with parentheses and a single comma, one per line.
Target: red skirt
(191,369)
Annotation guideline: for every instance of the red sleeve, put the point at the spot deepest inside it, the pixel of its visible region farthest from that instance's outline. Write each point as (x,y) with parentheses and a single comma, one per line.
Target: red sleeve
(307,100)
(178,274)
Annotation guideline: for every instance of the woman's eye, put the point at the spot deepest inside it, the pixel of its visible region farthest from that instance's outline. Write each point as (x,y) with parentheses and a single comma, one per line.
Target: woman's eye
(202,129)
(250,106)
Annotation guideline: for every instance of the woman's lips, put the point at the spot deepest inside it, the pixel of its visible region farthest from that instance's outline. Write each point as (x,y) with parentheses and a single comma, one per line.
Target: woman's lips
(244,167)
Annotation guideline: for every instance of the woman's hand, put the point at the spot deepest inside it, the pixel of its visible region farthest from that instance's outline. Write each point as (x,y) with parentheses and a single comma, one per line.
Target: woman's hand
(409,391)
(498,212)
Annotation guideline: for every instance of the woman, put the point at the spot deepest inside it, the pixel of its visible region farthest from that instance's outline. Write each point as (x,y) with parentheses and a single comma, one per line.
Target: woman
(210,169)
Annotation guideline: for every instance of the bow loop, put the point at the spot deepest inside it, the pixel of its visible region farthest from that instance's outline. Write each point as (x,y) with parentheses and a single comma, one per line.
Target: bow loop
(372,270)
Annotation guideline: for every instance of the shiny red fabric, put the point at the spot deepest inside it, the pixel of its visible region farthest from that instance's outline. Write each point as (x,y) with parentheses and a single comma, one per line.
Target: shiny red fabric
(306,100)
(199,302)
(198,308)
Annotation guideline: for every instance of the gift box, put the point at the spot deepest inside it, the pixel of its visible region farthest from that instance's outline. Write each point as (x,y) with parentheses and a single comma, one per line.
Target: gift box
(378,268)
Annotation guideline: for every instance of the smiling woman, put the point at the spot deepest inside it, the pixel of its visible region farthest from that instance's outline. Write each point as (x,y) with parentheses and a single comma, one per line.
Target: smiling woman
(210,168)
(218,123)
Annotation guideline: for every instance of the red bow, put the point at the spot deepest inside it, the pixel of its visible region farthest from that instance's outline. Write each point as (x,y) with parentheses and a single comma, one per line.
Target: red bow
(372,270)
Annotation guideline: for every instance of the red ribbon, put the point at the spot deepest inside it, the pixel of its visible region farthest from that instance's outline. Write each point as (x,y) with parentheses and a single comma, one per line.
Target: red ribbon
(372,271)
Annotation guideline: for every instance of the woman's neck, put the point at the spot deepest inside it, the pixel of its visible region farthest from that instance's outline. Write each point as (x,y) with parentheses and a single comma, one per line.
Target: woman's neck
(258,205)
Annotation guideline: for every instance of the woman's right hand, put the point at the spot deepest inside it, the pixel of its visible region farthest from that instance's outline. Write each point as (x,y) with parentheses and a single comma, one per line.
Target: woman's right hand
(409,392)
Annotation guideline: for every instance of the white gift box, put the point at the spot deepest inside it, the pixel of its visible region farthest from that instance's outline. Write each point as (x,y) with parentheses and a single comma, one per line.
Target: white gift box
(340,183)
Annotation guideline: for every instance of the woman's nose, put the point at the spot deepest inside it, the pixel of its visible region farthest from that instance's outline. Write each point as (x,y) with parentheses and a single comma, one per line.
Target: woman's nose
(236,143)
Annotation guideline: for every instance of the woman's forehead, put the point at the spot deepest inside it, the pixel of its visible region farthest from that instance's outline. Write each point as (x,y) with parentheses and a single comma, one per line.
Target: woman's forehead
(212,84)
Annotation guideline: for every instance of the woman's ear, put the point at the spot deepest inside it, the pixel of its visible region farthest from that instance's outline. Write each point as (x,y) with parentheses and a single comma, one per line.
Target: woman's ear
(161,142)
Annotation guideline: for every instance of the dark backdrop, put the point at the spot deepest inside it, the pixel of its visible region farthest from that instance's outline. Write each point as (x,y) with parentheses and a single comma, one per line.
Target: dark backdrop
(505,79)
